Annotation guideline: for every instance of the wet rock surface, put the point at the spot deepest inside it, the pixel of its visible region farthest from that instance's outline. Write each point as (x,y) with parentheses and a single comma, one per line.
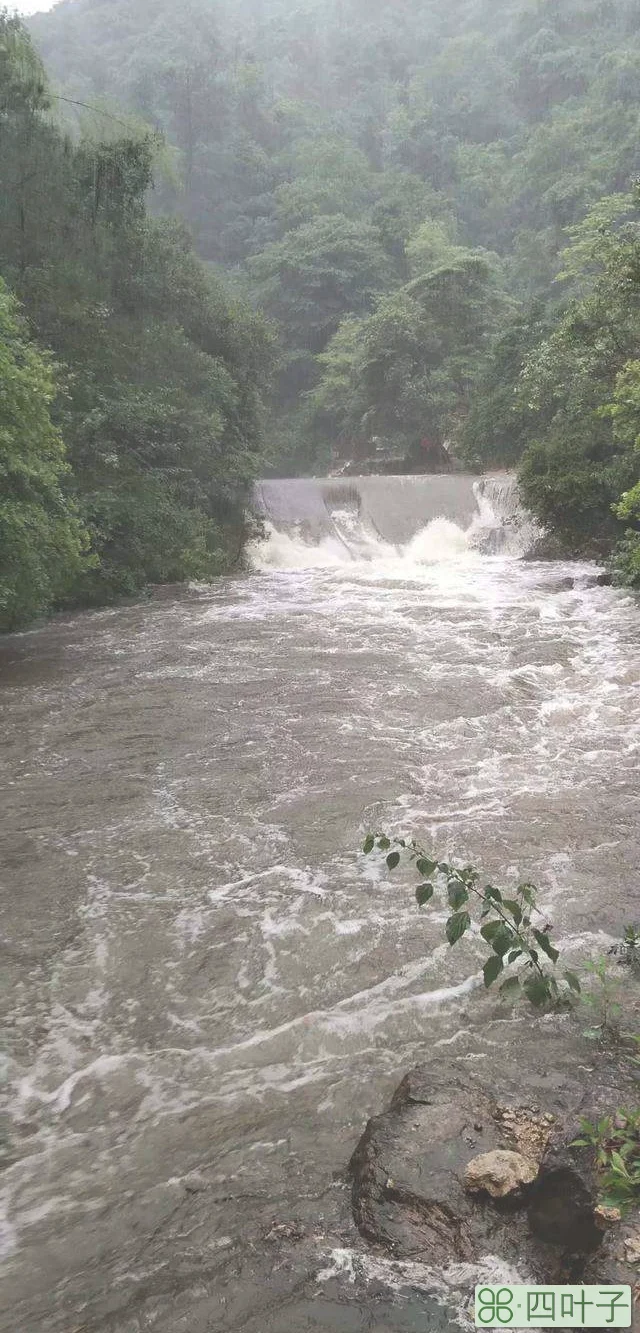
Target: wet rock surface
(458,1133)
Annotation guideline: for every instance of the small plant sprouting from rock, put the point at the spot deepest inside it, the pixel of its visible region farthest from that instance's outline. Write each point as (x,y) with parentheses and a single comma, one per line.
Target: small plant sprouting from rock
(506,923)
(604,1001)
(615,1141)
(631,941)
(628,951)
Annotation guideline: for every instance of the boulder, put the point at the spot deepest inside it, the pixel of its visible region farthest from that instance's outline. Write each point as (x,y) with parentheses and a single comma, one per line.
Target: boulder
(472,1160)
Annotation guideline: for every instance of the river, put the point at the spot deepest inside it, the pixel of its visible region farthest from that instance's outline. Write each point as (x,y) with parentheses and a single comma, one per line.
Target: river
(208,989)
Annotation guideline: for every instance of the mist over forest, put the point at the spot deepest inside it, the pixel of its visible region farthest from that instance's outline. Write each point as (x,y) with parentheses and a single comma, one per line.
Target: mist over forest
(262,239)
(319,662)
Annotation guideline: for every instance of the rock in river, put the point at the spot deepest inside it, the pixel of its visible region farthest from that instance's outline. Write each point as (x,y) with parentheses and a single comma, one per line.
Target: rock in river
(464,1164)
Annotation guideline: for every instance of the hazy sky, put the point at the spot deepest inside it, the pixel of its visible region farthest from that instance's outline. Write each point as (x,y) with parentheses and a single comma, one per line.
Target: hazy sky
(31,6)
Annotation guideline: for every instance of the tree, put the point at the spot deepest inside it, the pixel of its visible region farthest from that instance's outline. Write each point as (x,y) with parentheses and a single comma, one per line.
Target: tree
(325,155)
(576,466)
(42,542)
(162,406)
(624,412)
(328,176)
(500,422)
(406,371)
(318,273)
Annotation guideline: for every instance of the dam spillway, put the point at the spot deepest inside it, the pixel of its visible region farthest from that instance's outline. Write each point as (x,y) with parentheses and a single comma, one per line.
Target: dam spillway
(336,520)
(396,508)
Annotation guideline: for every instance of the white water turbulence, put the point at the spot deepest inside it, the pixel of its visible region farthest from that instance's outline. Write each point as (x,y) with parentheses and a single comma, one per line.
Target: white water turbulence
(388,521)
(208,988)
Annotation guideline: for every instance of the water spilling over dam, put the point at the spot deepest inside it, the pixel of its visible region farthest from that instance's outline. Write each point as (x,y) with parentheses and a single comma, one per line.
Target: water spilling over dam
(329,521)
(207,988)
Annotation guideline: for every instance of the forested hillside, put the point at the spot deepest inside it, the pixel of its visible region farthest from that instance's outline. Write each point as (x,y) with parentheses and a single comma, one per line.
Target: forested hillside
(130,412)
(396,184)
(434,205)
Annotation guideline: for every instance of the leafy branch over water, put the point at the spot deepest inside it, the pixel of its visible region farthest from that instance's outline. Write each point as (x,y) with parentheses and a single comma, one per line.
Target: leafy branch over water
(506,923)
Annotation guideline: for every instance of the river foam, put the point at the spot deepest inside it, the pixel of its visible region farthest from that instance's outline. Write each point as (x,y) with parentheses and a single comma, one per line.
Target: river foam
(201,960)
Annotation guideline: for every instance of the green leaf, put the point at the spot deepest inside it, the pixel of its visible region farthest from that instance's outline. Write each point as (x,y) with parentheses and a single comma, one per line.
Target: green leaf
(457,925)
(393,860)
(492,969)
(573,981)
(424,894)
(502,941)
(618,1164)
(490,930)
(426,867)
(457,894)
(546,945)
(514,908)
(528,893)
(536,990)
(510,986)
(493,894)
(514,955)
(384,844)
(369,844)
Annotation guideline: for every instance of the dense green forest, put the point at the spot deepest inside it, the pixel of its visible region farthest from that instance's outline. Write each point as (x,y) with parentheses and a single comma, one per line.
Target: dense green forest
(130,384)
(431,209)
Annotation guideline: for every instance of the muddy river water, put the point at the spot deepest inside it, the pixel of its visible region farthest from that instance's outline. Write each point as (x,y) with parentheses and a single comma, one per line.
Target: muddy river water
(207,989)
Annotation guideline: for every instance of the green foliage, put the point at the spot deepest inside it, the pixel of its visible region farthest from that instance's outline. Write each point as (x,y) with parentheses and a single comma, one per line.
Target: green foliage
(626,560)
(580,388)
(332,153)
(615,1142)
(335,150)
(317,273)
(500,421)
(407,371)
(41,539)
(604,1002)
(505,924)
(160,401)
(625,409)
(630,948)
(324,170)
(430,247)
(624,412)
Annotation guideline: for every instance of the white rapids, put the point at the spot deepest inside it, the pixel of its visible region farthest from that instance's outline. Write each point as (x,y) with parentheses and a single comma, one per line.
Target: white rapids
(394,523)
(208,988)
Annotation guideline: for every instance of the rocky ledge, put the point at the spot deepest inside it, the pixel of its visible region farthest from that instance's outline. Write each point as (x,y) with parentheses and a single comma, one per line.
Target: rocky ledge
(474,1160)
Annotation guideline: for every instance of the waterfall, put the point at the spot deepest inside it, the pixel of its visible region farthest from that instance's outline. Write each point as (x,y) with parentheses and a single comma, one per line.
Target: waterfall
(501,525)
(334,521)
